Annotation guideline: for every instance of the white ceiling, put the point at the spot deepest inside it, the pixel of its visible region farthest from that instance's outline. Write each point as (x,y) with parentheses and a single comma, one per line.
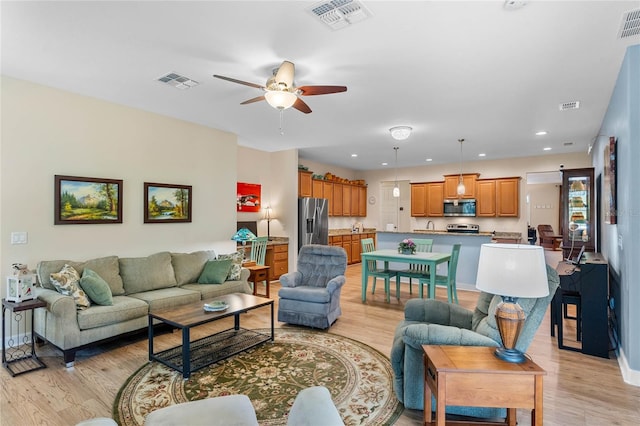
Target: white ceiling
(450,70)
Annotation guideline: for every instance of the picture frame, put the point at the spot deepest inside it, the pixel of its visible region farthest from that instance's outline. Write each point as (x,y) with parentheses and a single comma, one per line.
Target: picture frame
(610,185)
(167,203)
(86,200)
(248,197)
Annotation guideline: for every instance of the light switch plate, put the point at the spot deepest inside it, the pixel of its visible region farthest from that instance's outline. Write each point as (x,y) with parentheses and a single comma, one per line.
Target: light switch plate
(19,238)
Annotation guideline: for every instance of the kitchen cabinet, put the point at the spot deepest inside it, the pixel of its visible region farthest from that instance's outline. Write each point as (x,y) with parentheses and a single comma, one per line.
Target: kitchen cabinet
(317,189)
(508,197)
(304,183)
(346,200)
(327,191)
(277,259)
(427,199)
(486,198)
(346,245)
(451,185)
(355,248)
(355,200)
(362,201)
(337,199)
(577,210)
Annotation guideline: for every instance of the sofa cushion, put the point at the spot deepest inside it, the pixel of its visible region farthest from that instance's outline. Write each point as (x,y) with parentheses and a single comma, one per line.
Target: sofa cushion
(124,308)
(67,282)
(96,288)
(188,266)
(107,267)
(236,267)
(215,272)
(147,273)
(167,297)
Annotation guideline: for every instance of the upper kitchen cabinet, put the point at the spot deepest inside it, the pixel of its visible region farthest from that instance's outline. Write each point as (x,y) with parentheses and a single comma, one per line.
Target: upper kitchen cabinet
(304,183)
(486,201)
(451,185)
(498,197)
(427,199)
(577,210)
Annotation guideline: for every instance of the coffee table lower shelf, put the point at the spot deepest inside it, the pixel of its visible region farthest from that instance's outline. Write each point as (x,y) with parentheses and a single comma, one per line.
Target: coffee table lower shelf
(211,349)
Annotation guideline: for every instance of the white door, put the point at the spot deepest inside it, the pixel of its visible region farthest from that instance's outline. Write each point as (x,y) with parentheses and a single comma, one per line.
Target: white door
(395,212)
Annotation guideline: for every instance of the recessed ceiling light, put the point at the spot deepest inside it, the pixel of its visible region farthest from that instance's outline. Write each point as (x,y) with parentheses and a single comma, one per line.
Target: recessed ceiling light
(354,155)
(429,159)
(385,164)
(547,148)
(482,154)
(541,133)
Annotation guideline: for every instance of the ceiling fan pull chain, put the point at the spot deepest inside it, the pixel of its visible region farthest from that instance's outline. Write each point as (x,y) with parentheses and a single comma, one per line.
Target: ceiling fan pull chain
(282,121)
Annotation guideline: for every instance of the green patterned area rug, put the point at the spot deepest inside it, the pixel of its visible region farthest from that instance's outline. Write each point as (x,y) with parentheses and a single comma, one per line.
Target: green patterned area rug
(271,375)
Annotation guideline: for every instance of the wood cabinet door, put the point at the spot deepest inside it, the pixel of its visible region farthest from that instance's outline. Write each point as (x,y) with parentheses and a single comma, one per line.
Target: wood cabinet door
(304,184)
(435,199)
(355,200)
(362,201)
(451,185)
(337,199)
(346,200)
(486,201)
(317,188)
(508,197)
(355,249)
(327,191)
(418,199)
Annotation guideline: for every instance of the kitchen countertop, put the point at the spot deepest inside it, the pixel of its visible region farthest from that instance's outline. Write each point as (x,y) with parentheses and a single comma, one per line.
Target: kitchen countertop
(347,231)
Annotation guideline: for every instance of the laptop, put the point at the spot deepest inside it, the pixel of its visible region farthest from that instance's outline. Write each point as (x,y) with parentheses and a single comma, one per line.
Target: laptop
(576,260)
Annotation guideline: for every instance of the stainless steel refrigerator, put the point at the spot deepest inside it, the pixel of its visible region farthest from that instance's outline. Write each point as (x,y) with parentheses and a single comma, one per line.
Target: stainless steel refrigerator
(313,221)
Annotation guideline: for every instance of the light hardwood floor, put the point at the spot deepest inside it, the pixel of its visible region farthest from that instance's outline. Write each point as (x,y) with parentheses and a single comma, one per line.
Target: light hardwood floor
(578,389)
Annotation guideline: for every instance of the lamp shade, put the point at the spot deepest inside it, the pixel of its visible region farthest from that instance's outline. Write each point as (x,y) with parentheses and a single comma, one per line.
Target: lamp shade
(280,99)
(514,270)
(243,235)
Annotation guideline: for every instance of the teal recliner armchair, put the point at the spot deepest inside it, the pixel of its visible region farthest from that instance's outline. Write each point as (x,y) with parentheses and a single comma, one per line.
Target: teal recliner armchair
(433,322)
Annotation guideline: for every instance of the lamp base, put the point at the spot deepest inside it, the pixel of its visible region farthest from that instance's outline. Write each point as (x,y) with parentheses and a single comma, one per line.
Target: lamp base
(510,355)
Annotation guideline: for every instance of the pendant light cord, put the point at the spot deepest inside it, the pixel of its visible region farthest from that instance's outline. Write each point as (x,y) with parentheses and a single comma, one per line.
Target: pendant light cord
(460,140)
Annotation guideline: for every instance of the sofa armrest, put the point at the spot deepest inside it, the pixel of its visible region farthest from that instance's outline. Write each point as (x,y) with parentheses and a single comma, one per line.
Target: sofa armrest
(417,335)
(290,279)
(58,304)
(437,312)
(336,283)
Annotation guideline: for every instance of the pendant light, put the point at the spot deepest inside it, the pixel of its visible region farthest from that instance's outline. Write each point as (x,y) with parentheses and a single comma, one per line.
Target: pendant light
(396,188)
(460,189)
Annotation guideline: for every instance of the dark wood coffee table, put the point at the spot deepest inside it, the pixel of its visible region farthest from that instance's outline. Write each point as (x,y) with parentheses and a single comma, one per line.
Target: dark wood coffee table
(194,355)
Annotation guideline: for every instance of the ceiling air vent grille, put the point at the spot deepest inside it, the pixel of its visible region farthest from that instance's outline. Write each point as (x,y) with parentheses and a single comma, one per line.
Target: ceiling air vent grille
(337,14)
(178,81)
(569,105)
(630,25)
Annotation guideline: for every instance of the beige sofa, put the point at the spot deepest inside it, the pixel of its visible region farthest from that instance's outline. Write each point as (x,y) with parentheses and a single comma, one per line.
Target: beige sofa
(138,286)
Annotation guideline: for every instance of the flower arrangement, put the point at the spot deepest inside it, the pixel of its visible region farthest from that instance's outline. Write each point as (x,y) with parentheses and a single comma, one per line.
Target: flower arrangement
(407,246)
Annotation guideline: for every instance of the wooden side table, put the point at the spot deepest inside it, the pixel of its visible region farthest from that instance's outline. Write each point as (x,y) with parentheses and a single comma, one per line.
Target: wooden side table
(258,274)
(473,376)
(18,349)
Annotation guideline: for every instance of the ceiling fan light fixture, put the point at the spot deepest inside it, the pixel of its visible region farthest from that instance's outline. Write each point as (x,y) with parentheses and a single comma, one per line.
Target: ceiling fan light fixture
(400,133)
(280,99)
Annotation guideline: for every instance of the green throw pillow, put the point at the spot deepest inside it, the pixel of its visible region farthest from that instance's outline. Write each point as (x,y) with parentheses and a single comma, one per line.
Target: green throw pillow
(215,271)
(96,288)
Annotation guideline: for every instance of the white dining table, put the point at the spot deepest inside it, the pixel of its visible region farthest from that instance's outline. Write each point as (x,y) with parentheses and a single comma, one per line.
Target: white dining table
(431,259)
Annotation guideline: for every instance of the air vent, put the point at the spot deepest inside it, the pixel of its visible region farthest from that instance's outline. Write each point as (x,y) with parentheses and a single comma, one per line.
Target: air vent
(337,14)
(569,105)
(567,143)
(177,81)
(630,25)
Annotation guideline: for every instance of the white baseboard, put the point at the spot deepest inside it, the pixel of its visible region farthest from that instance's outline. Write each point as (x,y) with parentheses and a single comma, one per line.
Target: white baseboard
(629,376)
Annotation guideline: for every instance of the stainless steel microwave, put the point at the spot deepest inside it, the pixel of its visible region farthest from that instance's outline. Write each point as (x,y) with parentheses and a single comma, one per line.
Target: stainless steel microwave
(460,207)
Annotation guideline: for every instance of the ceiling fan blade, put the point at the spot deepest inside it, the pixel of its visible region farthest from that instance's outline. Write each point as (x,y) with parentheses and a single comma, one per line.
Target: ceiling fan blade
(252,100)
(233,80)
(320,90)
(301,106)
(286,73)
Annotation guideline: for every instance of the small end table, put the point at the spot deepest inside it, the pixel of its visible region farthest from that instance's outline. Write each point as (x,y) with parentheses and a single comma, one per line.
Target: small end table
(15,357)
(473,376)
(258,274)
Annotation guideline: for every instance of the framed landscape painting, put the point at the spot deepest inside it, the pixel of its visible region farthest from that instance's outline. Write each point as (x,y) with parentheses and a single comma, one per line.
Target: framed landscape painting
(83,200)
(167,203)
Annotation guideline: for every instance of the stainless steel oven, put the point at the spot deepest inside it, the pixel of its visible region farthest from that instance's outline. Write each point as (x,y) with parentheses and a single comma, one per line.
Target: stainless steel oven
(460,207)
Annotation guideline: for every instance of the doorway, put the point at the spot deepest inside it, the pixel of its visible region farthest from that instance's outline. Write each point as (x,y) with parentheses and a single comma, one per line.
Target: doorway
(395,213)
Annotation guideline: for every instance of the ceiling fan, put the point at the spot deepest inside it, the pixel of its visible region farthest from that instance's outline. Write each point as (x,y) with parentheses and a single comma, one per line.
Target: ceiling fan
(280,91)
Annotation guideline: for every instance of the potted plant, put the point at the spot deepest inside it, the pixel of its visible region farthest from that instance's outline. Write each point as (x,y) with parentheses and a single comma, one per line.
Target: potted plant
(407,246)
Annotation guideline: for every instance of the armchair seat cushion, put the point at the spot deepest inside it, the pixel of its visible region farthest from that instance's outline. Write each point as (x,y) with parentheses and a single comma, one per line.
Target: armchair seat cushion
(305,293)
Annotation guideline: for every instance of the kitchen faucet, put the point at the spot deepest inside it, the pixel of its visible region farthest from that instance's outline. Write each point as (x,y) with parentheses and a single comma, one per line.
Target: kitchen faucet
(432,225)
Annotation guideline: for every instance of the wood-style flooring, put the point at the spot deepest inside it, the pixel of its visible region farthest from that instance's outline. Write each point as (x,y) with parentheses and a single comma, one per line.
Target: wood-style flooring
(578,389)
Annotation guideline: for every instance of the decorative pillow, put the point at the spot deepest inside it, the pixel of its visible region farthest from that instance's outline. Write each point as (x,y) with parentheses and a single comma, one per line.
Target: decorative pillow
(67,282)
(96,288)
(236,266)
(215,271)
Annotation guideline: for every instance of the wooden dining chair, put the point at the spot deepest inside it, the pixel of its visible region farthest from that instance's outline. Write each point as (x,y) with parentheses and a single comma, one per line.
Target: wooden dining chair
(448,280)
(259,250)
(368,245)
(423,245)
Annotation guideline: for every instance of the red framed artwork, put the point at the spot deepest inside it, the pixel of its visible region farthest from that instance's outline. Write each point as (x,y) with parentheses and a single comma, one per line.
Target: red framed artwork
(248,197)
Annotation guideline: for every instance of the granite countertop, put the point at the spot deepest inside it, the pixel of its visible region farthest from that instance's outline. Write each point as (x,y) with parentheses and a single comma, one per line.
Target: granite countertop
(444,232)
(347,231)
(273,241)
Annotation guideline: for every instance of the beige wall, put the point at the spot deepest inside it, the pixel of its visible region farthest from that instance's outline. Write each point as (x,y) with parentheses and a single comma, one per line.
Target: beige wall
(47,132)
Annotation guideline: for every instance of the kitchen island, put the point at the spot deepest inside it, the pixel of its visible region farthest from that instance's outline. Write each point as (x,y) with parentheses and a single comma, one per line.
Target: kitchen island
(443,242)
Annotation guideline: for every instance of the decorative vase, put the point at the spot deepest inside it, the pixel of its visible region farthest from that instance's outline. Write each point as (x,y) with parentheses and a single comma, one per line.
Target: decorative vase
(406,251)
